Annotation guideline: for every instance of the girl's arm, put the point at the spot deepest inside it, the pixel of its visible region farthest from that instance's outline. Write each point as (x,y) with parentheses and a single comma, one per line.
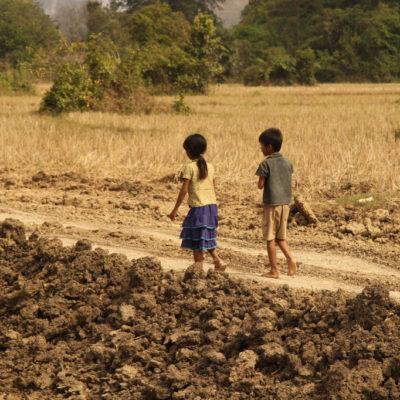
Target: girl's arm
(179,200)
(261,181)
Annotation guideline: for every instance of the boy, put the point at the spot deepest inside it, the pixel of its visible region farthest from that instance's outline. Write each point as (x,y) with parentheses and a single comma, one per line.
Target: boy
(275,177)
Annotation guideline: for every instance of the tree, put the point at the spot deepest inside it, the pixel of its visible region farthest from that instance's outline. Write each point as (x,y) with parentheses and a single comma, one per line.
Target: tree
(172,54)
(190,8)
(305,66)
(109,23)
(363,45)
(206,49)
(157,24)
(331,40)
(24,31)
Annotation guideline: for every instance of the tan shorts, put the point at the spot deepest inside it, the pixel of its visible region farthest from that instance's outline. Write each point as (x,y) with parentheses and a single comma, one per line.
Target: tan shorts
(274,222)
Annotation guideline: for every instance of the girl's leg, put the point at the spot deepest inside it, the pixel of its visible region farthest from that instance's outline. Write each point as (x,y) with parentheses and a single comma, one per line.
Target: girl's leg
(198,256)
(219,264)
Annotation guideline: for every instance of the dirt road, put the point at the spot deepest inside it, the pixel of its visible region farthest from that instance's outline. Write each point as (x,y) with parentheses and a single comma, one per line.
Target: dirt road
(317,270)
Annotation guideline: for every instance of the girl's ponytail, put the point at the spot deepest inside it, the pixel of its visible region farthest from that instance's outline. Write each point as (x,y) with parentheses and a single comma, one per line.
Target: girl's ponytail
(196,146)
(203,171)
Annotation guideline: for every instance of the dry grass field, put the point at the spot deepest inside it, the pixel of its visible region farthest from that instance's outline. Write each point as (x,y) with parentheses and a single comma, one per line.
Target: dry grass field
(338,136)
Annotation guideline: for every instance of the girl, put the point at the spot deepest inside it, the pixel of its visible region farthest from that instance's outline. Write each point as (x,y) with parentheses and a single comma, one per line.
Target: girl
(199,226)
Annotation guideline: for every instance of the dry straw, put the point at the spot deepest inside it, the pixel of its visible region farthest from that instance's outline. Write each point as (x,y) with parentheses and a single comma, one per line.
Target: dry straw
(336,136)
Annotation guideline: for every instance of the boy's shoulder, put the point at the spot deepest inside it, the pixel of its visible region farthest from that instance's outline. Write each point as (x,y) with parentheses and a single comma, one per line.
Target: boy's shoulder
(279,157)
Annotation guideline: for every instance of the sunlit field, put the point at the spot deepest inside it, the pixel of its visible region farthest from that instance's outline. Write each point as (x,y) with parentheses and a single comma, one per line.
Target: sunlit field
(336,136)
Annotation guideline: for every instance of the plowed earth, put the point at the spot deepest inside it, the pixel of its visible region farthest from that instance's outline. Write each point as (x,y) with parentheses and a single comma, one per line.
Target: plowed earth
(84,321)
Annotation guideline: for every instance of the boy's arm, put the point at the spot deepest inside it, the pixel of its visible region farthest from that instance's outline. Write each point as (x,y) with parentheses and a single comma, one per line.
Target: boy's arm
(181,196)
(262,173)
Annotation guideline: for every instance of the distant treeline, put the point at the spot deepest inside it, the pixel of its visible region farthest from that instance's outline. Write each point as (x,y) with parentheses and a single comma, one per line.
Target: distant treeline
(324,40)
(180,46)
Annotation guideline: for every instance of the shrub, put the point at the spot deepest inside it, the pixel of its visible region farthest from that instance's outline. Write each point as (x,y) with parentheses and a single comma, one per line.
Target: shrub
(137,101)
(180,106)
(104,80)
(254,76)
(280,66)
(16,80)
(71,91)
(305,66)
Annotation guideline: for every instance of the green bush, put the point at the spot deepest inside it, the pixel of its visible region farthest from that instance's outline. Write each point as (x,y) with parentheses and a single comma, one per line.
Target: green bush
(180,106)
(280,66)
(104,80)
(254,76)
(71,91)
(16,80)
(305,66)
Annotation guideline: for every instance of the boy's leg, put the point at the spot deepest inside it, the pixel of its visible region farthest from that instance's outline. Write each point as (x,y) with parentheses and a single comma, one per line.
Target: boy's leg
(271,248)
(268,229)
(281,224)
(292,267)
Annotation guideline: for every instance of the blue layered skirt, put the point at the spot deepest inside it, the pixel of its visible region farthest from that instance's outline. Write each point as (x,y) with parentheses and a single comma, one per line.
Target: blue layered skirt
(199,228)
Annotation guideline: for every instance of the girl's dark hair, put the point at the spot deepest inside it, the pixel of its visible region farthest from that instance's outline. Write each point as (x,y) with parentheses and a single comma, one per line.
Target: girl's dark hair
(196,146)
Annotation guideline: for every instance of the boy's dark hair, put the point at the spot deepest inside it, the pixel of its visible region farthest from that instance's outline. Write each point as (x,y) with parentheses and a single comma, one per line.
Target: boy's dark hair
(272,136)
(196,146)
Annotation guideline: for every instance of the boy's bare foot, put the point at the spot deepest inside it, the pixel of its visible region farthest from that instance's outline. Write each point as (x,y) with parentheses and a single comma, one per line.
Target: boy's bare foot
(292,268)
(271,274)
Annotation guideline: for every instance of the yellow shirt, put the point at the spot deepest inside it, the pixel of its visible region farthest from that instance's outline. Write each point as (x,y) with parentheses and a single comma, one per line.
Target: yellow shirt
(201,191)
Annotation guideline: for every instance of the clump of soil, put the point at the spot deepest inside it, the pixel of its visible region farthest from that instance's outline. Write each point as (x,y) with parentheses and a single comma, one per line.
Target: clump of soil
(83,324)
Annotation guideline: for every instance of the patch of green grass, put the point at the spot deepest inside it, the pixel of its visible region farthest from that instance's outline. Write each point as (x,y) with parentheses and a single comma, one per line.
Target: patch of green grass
(372,200)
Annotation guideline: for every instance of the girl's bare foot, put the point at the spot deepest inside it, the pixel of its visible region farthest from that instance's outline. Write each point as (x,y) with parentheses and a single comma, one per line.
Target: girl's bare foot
(273,275)
(219,266)
(292,268)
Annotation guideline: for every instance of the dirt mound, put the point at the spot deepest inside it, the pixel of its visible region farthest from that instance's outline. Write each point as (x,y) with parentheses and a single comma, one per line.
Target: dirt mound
(84,324)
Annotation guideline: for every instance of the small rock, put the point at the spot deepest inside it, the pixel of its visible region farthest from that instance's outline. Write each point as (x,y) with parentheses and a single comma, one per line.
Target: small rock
(70,201)
(372,230)
(40,176)
(127,312)
(13,229)
(271,353)
(216,357)
(354,228)
(83,245)
(381,214)
(128,371)
(247,359)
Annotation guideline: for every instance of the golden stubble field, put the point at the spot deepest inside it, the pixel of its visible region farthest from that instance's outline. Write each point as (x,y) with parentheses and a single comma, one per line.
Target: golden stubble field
(336,135)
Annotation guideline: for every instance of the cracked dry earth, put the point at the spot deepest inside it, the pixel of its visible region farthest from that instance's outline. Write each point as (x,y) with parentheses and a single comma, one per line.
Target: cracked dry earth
(88,312)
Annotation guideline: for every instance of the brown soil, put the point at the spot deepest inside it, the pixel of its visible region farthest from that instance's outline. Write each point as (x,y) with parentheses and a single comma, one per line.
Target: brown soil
(87,324)
(83,324)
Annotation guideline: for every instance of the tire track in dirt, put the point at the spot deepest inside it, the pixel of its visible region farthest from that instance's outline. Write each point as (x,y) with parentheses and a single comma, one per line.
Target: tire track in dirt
(320,260)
